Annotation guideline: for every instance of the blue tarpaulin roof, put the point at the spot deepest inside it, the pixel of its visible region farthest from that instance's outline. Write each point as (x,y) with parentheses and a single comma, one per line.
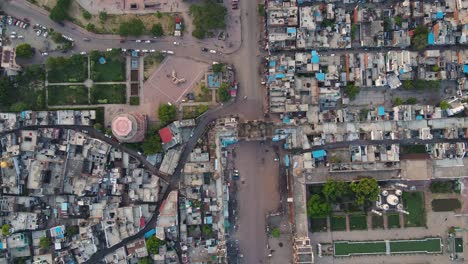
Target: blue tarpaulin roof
(315,57)
(280,75)
(286,120)
(430,38)
(440,15)
(272,63)
(320,76)
(227,142)
(419,117)
(319,154)
(402,71)
(286,160)
(291,30)
(150,233)
(134,53)
(381,110)
(465,68)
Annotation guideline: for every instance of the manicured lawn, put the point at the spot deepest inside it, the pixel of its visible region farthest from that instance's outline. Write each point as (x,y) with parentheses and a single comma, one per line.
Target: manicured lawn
(108,94)
(393,221)
(345,248)
(429,245)
(445,205)
(67,95)
(358,222)
(414,204)
(458,245)
(113,70)
(377,222)
(61,69)
(338,223)
(318,224)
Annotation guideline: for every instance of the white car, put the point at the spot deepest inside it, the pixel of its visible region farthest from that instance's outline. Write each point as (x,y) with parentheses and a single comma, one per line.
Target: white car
(13,36)
(45,34)
(176,43)
(152,51)
(21,37)
(38,33)
(13,33)
(137,50)
(170,52)
(148,41)
(124,50)
(83,53)
(213,51)
(163,51)
(109,49)
(138,40)
(44,53)
(145,50)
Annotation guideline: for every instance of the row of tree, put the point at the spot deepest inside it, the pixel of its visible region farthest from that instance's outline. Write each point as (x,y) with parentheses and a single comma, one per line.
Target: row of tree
(361,193)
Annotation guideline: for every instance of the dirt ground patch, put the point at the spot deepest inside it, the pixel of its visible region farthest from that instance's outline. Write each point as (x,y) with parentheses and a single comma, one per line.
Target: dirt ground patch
(202,94)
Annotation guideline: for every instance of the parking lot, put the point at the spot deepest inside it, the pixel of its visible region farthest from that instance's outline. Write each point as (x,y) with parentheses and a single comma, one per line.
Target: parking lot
(18,31)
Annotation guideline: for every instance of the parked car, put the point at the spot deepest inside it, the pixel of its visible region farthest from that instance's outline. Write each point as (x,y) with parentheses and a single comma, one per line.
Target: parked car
(138,40)
(122,40)
(38,33)
(204,49)
(45,34)
(44,53)
(13,33)
(170,52)
(12,36)
(152,51)
(86,39)
(176,43)
(83,53)
(213,51)
(147,41)
(145,50)
(109,49)
(21,37)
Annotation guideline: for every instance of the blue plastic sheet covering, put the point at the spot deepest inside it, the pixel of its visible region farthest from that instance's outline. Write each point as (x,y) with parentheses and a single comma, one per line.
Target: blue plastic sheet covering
(315,57)
(320,76)
(150,233)
(286,160)
(227,142)
(319,154)
(272,63)
(381,110)
(465,68)
(430,38)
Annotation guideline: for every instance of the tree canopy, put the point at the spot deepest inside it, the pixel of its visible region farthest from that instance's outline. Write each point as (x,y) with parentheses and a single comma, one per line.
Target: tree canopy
(207,16)
(419,40)
(60,10)
(44,242)
(157,30)
(6,229)
(133,27)
(152,145)
(166,113)
(219,67)
(444,105)
(366,189)
(352,91)
(335,190)
(223,92)
(24,50)
(153,243)
(317,206)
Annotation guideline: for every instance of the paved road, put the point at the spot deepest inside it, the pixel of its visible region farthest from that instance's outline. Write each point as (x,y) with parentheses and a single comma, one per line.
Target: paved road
(189,46)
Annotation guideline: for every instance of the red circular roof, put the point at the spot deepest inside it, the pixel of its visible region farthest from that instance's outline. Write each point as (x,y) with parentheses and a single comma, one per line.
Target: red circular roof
(122,126)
